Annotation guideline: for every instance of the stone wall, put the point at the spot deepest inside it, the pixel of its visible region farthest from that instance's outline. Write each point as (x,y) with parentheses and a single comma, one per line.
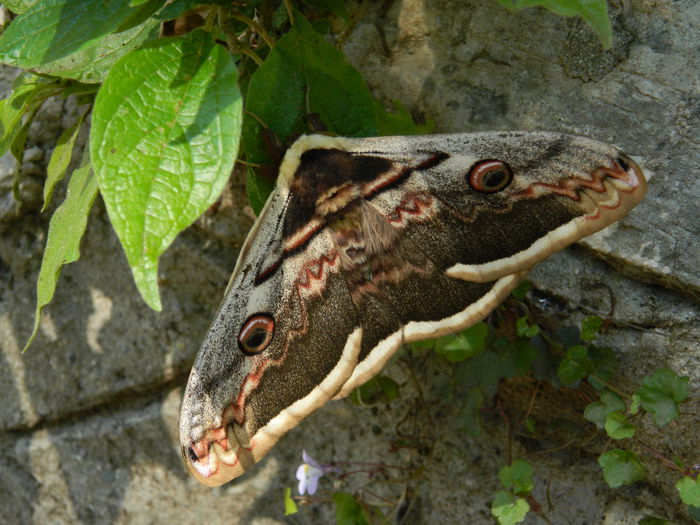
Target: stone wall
(88,419)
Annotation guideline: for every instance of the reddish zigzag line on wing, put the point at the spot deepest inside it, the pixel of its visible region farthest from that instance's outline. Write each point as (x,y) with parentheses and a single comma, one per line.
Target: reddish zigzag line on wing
(414,205)
(309,275)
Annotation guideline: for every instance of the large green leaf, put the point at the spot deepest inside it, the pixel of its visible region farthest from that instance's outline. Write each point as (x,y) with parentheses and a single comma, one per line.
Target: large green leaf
(52,29)
(303,75)
(165,132)
(65,231)
(92,63)
(594,12)
(60,159)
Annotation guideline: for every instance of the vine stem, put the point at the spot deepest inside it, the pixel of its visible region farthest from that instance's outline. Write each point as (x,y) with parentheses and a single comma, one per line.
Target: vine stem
(257,27)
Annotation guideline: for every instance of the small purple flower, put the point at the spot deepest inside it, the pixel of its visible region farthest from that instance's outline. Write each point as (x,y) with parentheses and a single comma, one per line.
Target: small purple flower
(309,473)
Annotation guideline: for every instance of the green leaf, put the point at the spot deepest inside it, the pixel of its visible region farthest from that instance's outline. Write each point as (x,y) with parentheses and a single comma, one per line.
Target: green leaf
(28,93)
(605,366)
(635,404)
(617,426)
(689,491)
(290,506)
(60,159)
(19,6)
(594,12)
(258,189)
(378,389)
(53,29)
(164,138)
(400,122)
(305,75)
(66,228)
(337,7)
(465,344)
(517,477)
(469,417)
(525,329)
(694,513)
(598,412)
(92,63)
(520,291)
(621,467)
(590,327)
(653,520)
(576,366)
(661,394)
(509,509)
(347,510)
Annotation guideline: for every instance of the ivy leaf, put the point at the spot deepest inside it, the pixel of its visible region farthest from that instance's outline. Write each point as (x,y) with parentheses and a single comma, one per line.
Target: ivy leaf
(66,228)
(347,510)
(621,467)
(379,388)
(60,159)
(617,426)
(521,291)
(52,29)
(290,506)
(594,12)
(525,329)
(165,134)
(576,366)
(661,394)
(598,411)
(517,477)
(508,508)
(590,327)
(465,344)
(689,491)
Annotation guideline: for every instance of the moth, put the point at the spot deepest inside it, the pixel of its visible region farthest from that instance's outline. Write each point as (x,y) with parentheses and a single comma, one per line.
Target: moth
(366,244)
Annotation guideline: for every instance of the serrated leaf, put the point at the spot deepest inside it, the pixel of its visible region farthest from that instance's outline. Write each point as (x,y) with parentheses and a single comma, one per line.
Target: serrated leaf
(303,75)
(66,228)
(509,509)
(598,411)
(590,327)
(689,491)
(617,426)
(60,159)
(347,510)
(164,138)
(576,366)
(53,29)
(621,467)
(517,477)
(661,394)
(594,12)
(290,506)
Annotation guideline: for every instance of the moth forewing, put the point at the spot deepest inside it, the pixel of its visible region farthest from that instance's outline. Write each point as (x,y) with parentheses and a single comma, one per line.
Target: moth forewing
(369,243)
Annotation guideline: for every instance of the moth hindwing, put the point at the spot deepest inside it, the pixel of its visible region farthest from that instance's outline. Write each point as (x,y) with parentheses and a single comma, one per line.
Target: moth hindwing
(369,243)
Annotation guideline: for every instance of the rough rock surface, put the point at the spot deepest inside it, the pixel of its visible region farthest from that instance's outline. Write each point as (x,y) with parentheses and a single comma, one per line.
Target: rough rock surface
(88,417)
